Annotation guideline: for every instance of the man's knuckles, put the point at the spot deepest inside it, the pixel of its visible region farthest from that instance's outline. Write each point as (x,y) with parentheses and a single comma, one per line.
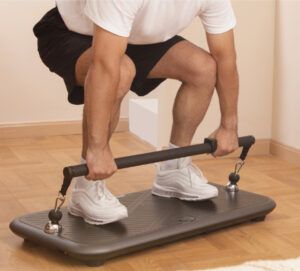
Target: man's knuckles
(99,172)
(222,150)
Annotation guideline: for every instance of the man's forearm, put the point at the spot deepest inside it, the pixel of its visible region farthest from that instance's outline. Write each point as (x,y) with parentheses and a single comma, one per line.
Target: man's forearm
(100,95)
(228,89)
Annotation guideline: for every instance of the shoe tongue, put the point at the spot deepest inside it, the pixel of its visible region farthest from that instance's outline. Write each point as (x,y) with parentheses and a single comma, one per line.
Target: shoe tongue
(184,162)
(83,183)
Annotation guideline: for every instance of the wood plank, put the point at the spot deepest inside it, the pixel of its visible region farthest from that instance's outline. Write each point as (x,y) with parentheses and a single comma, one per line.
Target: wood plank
(27,130)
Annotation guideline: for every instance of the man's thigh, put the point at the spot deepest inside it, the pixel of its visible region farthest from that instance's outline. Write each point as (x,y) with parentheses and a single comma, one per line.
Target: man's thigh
(182,62)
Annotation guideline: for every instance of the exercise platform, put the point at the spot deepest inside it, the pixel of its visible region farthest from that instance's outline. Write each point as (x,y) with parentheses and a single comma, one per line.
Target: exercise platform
(152,220)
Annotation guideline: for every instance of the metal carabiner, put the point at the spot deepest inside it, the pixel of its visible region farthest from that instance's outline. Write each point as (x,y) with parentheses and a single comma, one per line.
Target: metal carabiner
(238,166)
(59,201)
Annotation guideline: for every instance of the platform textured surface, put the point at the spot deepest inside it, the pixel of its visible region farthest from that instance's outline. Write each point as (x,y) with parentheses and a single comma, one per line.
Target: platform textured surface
(152,221)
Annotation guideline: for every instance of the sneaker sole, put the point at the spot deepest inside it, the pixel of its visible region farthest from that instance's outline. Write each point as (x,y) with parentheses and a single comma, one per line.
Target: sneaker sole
(79,213)
(174,193)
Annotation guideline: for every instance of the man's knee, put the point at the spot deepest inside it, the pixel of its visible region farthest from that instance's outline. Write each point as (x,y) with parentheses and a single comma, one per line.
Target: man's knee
(204,71)
(127,74)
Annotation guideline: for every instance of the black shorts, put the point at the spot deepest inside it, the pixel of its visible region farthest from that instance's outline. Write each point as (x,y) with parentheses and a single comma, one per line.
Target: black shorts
(59,49)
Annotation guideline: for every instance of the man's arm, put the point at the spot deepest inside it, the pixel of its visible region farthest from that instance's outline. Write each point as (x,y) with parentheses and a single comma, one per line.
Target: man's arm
(100,95)
(223,51)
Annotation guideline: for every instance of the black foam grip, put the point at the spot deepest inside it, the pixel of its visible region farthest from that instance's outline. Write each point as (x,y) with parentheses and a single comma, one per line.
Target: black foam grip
(246,141)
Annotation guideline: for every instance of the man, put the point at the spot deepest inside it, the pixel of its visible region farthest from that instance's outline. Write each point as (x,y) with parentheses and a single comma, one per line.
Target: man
(103,48)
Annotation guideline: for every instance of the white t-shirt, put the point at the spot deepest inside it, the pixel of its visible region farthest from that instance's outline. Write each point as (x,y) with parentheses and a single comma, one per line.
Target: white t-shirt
(145,21)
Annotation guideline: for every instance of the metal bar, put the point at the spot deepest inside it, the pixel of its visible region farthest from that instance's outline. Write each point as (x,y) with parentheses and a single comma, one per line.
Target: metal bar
(209,146)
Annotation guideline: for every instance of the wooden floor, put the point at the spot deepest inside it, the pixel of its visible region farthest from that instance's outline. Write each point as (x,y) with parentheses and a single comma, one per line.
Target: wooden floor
(30,176)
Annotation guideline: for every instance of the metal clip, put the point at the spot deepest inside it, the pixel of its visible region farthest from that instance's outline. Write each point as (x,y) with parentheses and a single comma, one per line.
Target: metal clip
(59,201)
(232,185)
(238,166)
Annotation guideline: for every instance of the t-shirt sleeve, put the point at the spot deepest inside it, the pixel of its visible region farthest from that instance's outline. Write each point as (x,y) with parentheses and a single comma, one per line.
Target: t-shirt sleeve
(115,16)
(217,16)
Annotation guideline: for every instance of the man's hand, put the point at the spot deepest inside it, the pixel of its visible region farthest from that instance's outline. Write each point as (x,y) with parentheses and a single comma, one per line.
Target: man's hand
(101,163)
(227,140)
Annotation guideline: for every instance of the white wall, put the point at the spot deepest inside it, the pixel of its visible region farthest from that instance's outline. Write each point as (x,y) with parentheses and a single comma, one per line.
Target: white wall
(29,92)
(286,106)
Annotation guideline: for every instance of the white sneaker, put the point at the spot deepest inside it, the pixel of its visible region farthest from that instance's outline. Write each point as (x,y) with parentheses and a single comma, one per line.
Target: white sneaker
(92,201)
(186,183)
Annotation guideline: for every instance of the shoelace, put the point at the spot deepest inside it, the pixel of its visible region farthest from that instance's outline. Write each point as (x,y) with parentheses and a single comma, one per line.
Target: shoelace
(102,191)
(192,168)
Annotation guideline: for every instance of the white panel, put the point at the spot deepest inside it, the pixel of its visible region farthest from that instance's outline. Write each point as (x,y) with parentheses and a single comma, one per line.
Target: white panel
(143,119)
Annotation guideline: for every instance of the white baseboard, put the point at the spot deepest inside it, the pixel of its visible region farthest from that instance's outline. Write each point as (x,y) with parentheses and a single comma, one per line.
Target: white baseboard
(284,152)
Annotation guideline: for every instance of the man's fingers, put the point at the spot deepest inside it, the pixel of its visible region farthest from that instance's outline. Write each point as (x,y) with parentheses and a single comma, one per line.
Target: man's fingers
(99,174)
(218,153)
(224,150)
